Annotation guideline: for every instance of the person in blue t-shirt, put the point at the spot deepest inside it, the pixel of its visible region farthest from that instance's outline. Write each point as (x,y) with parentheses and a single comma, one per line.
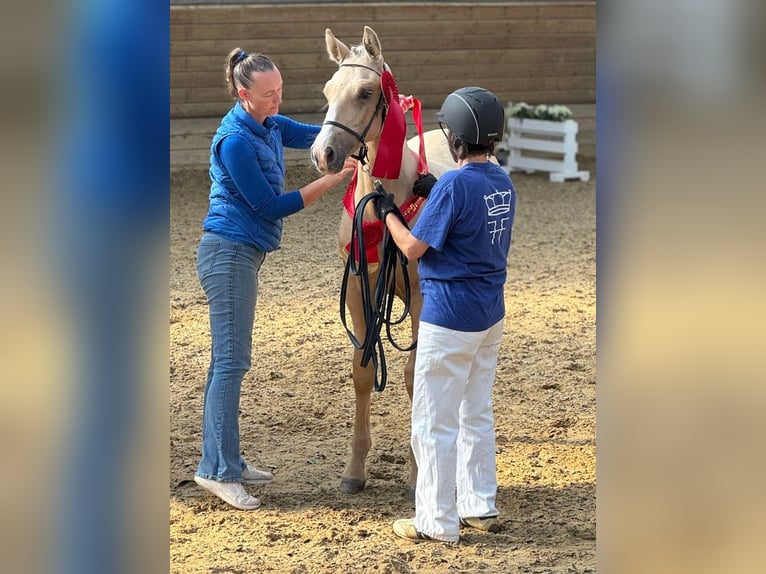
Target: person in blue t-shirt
(462,239)
(244,222)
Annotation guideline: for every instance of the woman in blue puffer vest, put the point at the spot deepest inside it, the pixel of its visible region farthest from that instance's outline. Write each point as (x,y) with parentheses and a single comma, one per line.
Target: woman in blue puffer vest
(244,222)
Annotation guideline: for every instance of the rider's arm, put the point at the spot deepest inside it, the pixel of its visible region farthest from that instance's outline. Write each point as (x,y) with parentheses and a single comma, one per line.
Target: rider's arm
(411,246)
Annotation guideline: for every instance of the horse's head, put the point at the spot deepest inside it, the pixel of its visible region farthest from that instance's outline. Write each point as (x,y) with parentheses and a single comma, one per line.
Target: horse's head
(355,103)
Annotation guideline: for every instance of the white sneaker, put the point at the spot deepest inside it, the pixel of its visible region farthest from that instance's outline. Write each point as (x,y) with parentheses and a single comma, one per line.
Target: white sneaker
(252,475)
(231,492)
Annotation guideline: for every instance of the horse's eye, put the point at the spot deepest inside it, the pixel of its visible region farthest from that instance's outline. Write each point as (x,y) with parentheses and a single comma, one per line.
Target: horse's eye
(365,94)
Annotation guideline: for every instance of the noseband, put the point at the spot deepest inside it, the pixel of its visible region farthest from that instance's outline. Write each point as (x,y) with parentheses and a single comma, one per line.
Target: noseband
(361,156)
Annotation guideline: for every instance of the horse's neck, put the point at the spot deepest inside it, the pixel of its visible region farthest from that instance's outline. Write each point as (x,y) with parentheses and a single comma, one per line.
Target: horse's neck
(401,187)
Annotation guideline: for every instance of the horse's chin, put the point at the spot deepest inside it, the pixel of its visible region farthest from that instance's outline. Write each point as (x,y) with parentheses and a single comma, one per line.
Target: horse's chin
(326,167)
(326,170)
(335,167)
(320,169)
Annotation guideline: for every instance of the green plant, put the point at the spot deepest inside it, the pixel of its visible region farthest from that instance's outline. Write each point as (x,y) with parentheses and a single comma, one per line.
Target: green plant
(555,113)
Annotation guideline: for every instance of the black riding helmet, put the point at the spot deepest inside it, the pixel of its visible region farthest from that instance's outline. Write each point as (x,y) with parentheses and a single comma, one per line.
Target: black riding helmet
(474,115)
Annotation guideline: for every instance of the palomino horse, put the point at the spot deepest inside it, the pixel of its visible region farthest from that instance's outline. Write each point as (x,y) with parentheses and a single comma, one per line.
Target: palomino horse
(353,124)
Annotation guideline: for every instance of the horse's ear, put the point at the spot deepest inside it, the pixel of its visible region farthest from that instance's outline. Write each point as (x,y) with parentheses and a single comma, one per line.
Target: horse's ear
(372,43)
(336,49)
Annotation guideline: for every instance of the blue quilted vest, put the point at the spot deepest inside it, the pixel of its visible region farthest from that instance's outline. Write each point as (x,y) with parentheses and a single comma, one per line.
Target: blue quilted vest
(229,214)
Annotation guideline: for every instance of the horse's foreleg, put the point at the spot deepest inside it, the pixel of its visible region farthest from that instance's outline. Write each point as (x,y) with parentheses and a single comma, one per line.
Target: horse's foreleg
(354,476)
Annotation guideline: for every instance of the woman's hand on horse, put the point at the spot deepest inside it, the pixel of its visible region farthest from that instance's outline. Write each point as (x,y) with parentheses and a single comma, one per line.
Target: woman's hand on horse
(350,162)
(423,185)
(315,189)
(348,168)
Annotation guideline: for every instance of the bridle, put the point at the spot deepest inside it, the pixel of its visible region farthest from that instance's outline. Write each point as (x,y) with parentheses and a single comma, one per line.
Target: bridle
(377,304)
(361,155)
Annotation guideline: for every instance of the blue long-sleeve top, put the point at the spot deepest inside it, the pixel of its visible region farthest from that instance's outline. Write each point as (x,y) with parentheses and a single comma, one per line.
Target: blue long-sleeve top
(247,201)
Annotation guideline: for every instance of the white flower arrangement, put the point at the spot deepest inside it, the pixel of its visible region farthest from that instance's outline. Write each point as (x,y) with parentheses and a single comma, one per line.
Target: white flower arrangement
(555,113)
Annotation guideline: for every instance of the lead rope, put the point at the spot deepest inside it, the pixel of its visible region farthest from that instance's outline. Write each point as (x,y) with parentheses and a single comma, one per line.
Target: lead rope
(377,306)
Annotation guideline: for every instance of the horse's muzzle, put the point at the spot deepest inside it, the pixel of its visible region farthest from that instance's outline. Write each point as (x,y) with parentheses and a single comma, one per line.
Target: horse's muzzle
(331,148)
(315,159)
(327,159)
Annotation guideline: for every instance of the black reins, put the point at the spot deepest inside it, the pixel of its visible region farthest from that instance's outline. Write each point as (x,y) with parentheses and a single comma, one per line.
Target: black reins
(378,305)
(362,154)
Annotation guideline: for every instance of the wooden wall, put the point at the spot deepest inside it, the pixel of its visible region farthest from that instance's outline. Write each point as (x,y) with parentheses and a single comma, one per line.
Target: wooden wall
(539,52)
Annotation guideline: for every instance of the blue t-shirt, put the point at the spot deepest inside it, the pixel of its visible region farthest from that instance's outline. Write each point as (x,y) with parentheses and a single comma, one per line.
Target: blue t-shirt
(467,223)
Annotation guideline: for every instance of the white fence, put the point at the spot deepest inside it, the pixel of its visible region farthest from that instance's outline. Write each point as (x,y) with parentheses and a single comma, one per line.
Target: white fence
(541,145)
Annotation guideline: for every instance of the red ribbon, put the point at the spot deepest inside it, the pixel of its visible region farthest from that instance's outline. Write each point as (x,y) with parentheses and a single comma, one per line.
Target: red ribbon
(388,161)
(373,230)
(409,102)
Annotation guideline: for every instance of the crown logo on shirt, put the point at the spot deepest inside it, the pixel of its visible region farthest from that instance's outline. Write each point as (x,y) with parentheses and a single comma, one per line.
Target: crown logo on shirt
(498,203)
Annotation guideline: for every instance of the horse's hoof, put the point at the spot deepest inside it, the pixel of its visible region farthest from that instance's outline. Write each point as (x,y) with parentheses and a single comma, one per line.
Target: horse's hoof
(352,485)
(409,493)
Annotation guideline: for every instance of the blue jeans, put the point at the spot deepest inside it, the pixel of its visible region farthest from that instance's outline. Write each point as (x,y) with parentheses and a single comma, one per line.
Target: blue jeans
(228,272)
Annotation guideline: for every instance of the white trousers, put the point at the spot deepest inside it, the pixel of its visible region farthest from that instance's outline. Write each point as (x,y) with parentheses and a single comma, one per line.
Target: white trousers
(453,430)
